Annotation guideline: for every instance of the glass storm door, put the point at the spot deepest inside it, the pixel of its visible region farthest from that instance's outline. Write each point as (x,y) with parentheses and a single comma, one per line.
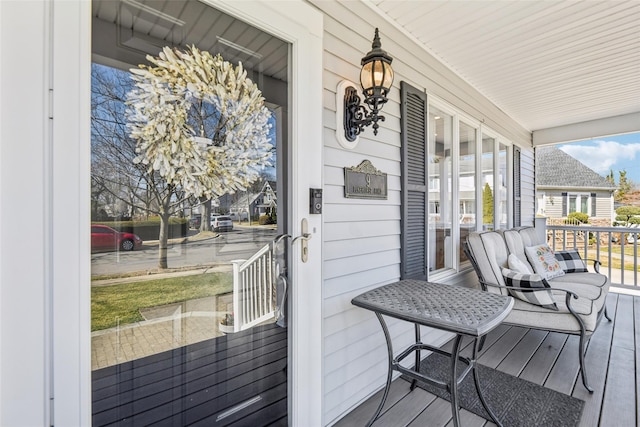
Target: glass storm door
(189,292)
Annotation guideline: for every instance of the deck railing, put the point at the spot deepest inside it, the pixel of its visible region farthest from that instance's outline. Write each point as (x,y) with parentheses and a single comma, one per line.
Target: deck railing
(615,247)
(254,289)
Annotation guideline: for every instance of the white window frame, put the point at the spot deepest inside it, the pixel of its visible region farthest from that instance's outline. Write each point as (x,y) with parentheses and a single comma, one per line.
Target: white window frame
(481,129)
(579,196)
(457,117)
(497,140)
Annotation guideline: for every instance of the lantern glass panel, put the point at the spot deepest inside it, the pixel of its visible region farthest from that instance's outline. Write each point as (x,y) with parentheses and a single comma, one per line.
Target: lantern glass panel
(376,75)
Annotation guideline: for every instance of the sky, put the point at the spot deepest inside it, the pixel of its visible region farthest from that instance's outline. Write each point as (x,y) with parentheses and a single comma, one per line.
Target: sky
(619,152)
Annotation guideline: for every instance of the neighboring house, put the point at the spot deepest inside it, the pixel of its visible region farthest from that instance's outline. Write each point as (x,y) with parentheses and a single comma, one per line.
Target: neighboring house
(257,204)
(443,141)
(565,185)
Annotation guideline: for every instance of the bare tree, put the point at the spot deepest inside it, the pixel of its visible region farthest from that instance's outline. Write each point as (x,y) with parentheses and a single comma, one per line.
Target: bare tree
(119,186)
(190,127)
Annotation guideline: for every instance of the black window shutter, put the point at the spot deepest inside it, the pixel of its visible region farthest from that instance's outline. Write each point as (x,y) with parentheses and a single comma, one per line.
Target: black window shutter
(565,206)
(593,204)
(414,183)
(517,189)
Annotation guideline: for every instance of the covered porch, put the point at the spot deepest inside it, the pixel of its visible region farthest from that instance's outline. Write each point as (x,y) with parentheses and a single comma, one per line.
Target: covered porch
(526,74)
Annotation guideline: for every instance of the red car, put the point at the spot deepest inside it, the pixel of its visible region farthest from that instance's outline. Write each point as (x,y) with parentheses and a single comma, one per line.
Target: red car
(103,237)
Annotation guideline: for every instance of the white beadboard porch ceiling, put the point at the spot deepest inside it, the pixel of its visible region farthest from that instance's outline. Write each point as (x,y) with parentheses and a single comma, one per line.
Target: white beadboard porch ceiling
(545,63)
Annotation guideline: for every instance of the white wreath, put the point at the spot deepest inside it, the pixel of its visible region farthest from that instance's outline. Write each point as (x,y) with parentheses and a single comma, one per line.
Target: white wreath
(158,112)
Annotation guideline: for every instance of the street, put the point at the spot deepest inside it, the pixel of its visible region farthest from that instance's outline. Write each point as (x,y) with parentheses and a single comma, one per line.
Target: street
(240,243)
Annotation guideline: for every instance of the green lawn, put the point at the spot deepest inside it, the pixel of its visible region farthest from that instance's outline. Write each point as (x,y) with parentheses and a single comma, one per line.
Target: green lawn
(115,304)
(628,250)
(615,259)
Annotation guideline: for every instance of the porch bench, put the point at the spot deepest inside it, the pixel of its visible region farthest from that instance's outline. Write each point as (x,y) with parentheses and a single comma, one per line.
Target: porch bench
(571,303)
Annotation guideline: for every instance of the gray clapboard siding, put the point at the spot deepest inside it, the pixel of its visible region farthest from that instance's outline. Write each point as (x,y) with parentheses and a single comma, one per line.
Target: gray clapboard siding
(357,264)
(555,209)
(345,248)
(604,205)
(361,238)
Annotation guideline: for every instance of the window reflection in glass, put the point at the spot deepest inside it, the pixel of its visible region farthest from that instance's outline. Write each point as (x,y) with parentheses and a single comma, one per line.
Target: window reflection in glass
(502,194)
(488,144)
(467,183)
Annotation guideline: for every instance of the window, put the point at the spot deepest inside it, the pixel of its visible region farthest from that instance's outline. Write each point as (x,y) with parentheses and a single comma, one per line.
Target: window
(454,174)
(579,202)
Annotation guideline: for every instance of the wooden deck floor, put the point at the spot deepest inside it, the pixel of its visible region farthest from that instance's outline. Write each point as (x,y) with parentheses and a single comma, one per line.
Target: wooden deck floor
(548,359)
(236,380)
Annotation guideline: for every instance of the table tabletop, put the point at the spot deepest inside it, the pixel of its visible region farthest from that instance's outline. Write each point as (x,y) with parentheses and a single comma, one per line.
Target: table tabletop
(449,307)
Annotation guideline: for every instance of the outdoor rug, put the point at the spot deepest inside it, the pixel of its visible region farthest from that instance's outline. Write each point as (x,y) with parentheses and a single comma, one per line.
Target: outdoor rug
(516,402)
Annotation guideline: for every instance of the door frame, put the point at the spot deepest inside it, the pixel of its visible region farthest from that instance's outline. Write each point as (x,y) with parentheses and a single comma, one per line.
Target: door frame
(69,294)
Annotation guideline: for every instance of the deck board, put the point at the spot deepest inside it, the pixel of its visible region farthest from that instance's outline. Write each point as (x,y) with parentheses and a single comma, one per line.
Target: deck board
(517,359)
(198,383)
(620,383)
(437,413)
(597,362)
(406,410)
(550,359)
(494,355)
(545,357)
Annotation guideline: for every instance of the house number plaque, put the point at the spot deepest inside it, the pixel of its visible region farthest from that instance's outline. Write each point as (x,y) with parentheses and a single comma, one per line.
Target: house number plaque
(365,182)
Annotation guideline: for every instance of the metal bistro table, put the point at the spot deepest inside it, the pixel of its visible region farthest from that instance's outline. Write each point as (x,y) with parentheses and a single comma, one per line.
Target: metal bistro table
(451,308)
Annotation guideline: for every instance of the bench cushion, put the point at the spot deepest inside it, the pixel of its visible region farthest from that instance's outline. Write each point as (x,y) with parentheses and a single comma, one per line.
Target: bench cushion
(490,254)
(533,316)
(589,285)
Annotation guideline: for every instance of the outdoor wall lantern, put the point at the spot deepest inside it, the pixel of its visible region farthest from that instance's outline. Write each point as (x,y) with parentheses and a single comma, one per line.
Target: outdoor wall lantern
(376,78)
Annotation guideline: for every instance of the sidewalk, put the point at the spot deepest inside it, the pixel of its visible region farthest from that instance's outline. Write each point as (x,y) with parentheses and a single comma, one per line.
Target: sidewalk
(175,273)
(165,328)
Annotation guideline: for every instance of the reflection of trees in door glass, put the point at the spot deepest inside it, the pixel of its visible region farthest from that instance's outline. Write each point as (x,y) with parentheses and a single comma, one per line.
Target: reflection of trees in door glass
(190,136)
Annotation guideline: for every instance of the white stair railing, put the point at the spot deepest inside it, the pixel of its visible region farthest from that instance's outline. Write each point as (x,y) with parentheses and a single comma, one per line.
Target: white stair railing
(254,289)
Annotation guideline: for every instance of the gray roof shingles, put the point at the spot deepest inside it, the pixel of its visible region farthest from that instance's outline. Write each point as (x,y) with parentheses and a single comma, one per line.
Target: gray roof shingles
(555,168)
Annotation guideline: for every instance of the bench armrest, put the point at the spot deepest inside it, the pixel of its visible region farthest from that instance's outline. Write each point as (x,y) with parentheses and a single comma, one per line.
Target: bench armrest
(568,294)
(596,264)
(516,288)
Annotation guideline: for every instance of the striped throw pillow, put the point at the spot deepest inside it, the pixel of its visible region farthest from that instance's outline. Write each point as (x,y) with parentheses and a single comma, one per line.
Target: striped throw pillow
(529,281)
(570,261)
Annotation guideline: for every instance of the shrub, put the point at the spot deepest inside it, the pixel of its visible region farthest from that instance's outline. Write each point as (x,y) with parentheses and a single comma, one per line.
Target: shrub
(265,220)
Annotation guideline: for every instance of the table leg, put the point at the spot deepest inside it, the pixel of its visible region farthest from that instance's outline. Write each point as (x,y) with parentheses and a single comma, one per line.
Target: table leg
(476,380)
(387,337)
(453,384)
(414,382)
